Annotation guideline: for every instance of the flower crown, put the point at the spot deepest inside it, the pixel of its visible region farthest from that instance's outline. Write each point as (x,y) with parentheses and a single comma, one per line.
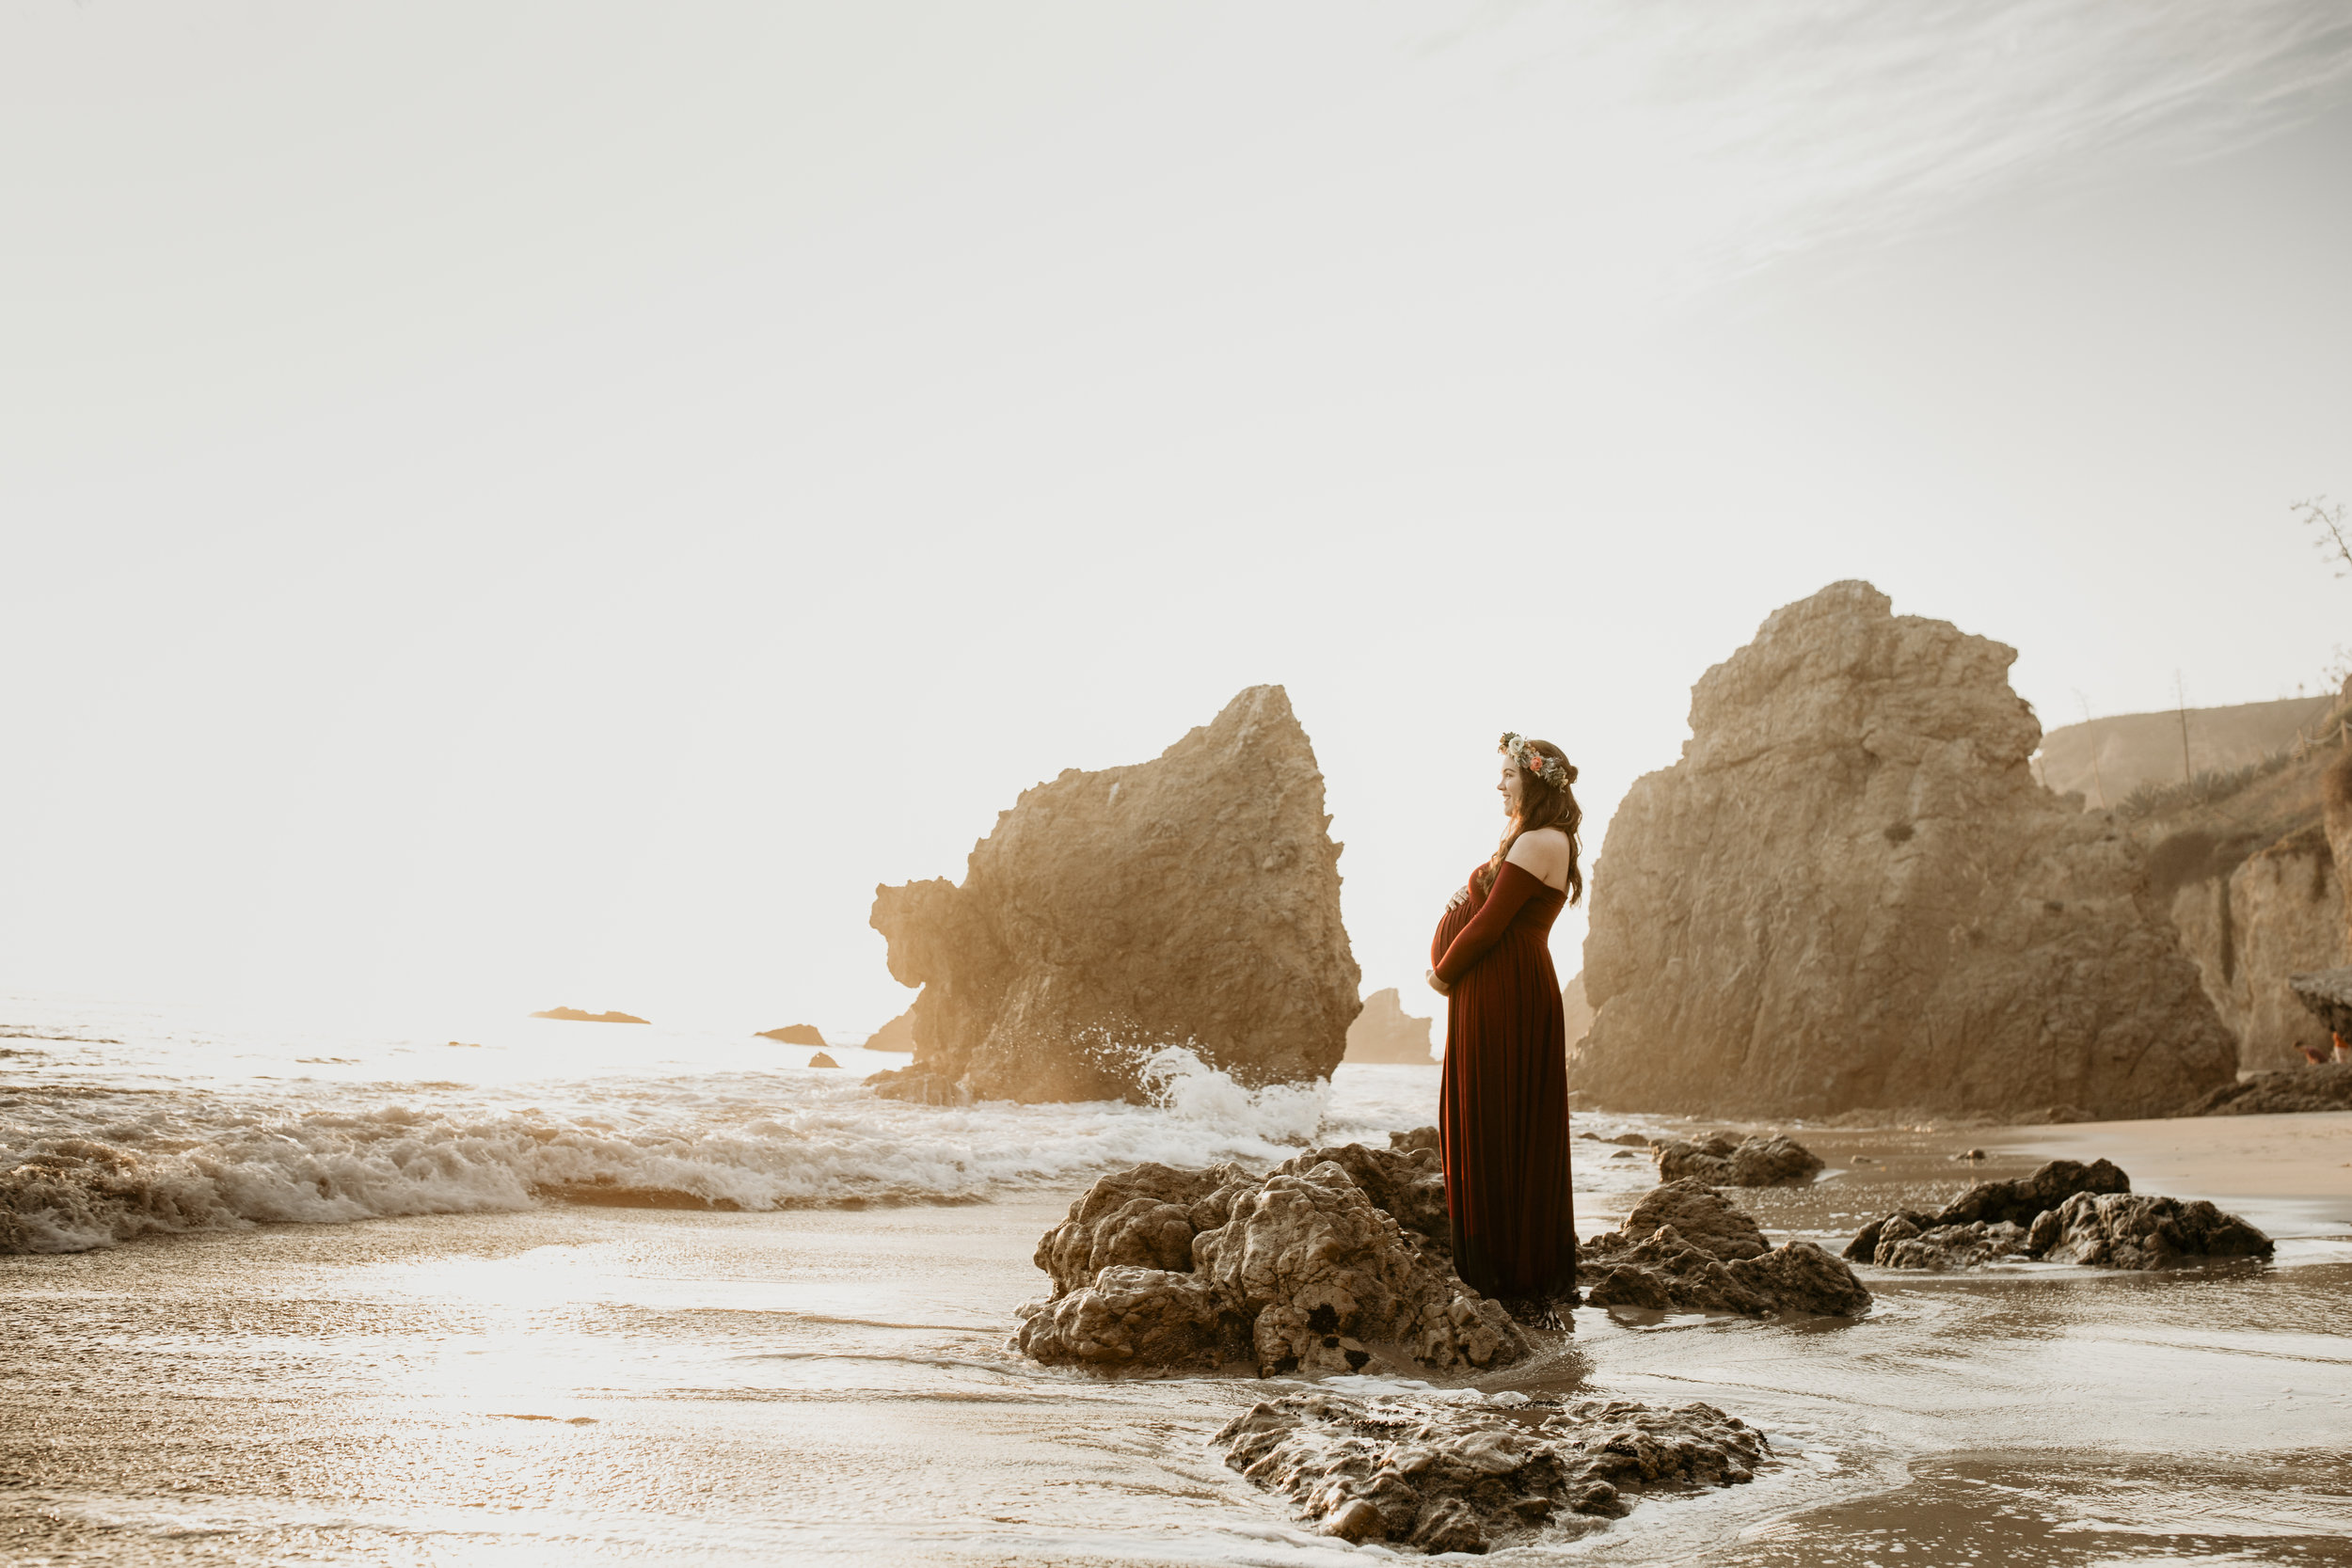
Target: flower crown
(1522,750)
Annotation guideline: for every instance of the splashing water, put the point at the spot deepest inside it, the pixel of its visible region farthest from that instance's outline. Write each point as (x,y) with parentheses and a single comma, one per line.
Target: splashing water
(132,1124)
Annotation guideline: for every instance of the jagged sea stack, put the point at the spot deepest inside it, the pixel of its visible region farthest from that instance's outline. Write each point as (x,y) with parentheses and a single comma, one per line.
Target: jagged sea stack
(1191,899)
(1851,894)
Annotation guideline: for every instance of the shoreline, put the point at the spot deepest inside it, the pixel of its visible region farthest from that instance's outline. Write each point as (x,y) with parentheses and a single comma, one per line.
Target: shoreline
(595,1385)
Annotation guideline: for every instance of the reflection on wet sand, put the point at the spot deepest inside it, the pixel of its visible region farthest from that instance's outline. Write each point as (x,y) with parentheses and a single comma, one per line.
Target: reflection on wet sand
(823,1385)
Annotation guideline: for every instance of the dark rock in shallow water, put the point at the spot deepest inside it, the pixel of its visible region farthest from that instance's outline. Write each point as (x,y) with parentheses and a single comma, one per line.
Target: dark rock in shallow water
(1144,1216)
(2017,1201)
(1128,1316)
(1772,1161)
(1903,1243)
(1300,1269)
(2065,1212)
(2325,1087)
(820,1059)
(1976,1227)
(795,1034)
(1454,1477)
(1685,1249)
(1696,1210)
(2132,1230)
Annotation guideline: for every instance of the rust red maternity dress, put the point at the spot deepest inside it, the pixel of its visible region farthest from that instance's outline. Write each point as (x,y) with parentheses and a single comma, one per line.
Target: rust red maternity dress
(1503,1109)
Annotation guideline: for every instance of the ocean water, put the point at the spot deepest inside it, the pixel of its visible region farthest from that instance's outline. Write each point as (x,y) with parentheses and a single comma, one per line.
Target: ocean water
(118,1123)
(582,1293)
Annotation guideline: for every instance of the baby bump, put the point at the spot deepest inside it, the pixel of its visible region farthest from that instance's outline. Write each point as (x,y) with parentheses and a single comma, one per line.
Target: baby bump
(1449,926)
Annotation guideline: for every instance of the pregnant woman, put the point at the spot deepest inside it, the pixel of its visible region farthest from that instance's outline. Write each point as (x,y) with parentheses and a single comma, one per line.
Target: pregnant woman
(1503,1112)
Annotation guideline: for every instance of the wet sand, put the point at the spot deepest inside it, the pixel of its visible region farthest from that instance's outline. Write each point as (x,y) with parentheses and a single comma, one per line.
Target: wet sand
(585,1386)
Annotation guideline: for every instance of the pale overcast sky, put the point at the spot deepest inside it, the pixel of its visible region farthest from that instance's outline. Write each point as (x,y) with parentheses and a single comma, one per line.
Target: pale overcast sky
(509,504)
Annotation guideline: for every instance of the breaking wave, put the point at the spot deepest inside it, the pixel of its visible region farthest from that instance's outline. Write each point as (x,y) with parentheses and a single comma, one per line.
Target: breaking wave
(92,1167)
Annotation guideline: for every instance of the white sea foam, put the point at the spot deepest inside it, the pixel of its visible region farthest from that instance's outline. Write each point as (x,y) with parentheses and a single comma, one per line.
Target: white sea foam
(121,1122)
(117,1127)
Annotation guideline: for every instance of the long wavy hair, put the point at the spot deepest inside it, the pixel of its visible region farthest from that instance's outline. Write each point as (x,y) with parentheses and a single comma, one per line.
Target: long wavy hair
(1542,806)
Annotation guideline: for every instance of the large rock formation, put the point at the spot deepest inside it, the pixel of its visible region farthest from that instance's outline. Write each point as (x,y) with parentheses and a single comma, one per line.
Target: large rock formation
(2335,803)
(1385,1032)
(896,1036)
(1307,1268)
(2325,1087)
(2245,860)
(1575,1010)
(2250,926)
(1851,894)
(2326,997)
(1193,900)
(1447,1476)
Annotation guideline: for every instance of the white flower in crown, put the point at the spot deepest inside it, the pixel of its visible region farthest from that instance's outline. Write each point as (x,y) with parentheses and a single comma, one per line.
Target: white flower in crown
(1521,750)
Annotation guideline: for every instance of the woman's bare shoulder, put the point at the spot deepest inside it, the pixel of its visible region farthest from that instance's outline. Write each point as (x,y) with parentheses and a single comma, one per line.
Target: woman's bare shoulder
(1543,851)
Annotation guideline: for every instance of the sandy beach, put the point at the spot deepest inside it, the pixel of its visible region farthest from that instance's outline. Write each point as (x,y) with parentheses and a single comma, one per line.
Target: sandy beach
(590,1385)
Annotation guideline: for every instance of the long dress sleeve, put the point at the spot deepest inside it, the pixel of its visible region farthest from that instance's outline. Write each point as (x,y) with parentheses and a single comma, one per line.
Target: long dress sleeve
(1512,888)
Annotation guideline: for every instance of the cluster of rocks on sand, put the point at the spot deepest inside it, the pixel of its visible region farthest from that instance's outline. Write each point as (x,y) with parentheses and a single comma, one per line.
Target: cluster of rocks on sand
(1191,901)
(1338,1261)
(1334,1260)
(2064,1213)
(1456,1477)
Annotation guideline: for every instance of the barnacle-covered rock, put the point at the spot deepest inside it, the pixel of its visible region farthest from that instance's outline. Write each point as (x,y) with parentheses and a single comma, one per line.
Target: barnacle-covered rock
(1127,1317)
(1685,1249)
(1298,1270)
(1142,1216)
(1404,1182)
(1990,1221)
(1469,1477)
(1696,1210)
(2138,1230)
(1902,1244)
(1773,1162)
